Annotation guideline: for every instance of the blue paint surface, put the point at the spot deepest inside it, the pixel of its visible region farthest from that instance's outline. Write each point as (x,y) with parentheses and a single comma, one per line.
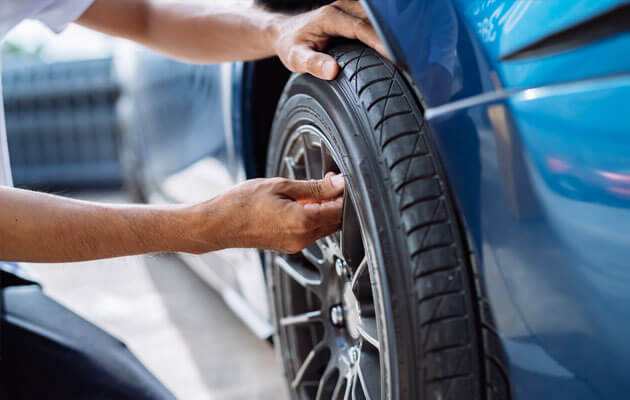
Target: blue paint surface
(537,154)
(452,47)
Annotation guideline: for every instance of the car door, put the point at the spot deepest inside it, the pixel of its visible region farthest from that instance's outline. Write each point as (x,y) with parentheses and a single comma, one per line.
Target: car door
(180,146)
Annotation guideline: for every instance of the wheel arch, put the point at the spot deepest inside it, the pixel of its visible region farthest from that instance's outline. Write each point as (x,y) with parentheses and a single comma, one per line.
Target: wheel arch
(264,80)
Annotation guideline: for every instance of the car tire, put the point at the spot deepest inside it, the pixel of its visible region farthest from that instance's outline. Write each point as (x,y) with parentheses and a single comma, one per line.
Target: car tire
(420,273)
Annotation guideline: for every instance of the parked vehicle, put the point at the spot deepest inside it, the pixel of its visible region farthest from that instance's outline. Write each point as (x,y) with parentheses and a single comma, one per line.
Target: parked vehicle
(486,228)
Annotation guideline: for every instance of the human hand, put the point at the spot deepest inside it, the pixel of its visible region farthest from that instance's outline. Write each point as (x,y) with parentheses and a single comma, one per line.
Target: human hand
(299,40)
(272,214)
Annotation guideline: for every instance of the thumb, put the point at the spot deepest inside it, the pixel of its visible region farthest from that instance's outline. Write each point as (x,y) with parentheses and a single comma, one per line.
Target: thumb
(320,65)
(314,191)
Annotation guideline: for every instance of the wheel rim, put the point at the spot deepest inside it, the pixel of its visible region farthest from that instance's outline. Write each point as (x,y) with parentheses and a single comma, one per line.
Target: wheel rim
(326,315)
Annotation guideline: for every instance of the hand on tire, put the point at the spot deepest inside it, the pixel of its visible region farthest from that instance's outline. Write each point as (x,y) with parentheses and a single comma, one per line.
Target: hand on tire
(277,213)
(300,39)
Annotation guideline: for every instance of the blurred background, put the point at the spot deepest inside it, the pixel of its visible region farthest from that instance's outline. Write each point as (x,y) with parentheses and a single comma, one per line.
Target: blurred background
(60,97)
(68,130)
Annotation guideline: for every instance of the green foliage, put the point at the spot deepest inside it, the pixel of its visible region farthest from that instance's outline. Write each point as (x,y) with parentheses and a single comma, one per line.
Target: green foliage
(12,49)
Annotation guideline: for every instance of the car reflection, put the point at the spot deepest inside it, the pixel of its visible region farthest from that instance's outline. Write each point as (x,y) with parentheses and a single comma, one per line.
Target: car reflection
(601,186)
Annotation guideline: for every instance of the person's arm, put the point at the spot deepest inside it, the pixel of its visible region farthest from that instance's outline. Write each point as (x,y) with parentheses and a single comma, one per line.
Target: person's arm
(277,214)
(202,33)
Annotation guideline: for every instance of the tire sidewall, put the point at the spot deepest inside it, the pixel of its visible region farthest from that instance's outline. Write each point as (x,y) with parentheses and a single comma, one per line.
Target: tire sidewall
(328,105)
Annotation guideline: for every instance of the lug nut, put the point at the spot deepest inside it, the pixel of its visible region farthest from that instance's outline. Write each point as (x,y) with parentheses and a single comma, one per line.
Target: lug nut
(340,268)
(336,315)
(354,355)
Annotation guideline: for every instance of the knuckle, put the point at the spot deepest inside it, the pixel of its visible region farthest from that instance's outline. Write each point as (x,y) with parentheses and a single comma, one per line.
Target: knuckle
(279,183)
(327,10)
(260,184)
(293,59)
(315,189)
(272,181)
(361,25)
(266,184)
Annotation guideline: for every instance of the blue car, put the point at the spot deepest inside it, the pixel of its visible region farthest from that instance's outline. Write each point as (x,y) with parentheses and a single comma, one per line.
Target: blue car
(485,246)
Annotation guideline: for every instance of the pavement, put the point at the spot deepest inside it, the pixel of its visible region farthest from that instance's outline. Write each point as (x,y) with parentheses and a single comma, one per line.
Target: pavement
(172,321)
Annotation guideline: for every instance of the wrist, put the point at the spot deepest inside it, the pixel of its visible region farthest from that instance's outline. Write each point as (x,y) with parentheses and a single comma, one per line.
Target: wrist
(271,30)
(203,226)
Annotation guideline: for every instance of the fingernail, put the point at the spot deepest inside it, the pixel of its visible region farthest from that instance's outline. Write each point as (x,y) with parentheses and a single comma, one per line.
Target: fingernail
(329,69)
(338,181)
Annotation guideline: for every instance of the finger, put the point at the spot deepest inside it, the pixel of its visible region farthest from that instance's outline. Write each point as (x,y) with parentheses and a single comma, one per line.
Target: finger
(315,190)
(324,231)
(340,23)
(304,59)
(326,213)
(329,175)
(351,7)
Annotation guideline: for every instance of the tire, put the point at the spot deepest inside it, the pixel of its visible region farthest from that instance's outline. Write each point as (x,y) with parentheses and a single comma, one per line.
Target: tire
(291,5)
(429,335)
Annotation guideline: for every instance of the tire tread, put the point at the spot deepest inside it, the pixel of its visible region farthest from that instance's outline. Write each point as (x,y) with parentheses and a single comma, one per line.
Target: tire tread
(455,351)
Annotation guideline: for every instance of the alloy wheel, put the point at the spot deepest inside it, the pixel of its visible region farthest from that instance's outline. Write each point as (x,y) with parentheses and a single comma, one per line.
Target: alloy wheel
(326,306)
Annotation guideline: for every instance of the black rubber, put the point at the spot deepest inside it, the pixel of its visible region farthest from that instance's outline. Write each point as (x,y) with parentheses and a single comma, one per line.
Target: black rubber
(446,337)
(48,352)
(291,5)
(438,348)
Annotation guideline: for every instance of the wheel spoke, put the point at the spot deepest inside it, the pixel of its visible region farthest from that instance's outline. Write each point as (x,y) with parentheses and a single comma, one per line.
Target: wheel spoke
(289,165)
(312,158)
(351,242)
(370,376)
(313,258)
(338,386)
(346,394)
(292,170)
(299,376)
(323,381)
(305,277)
(301,319)
(354,387)
(359,271)
(367,330)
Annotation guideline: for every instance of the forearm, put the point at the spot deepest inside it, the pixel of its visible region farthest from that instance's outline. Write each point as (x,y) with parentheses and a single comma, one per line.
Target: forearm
(191,32)
(39,227)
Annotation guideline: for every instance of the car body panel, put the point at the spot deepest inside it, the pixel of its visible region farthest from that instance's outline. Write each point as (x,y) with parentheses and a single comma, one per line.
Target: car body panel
(452,48)
(537,153)
(187,123)
(551,238)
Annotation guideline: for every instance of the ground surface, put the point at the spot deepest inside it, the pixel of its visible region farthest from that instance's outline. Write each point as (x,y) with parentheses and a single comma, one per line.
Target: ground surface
(172,321)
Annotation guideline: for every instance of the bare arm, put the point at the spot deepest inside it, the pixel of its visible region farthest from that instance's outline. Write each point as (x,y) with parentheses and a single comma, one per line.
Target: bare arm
(274,214)
(202,33)
(40,227)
